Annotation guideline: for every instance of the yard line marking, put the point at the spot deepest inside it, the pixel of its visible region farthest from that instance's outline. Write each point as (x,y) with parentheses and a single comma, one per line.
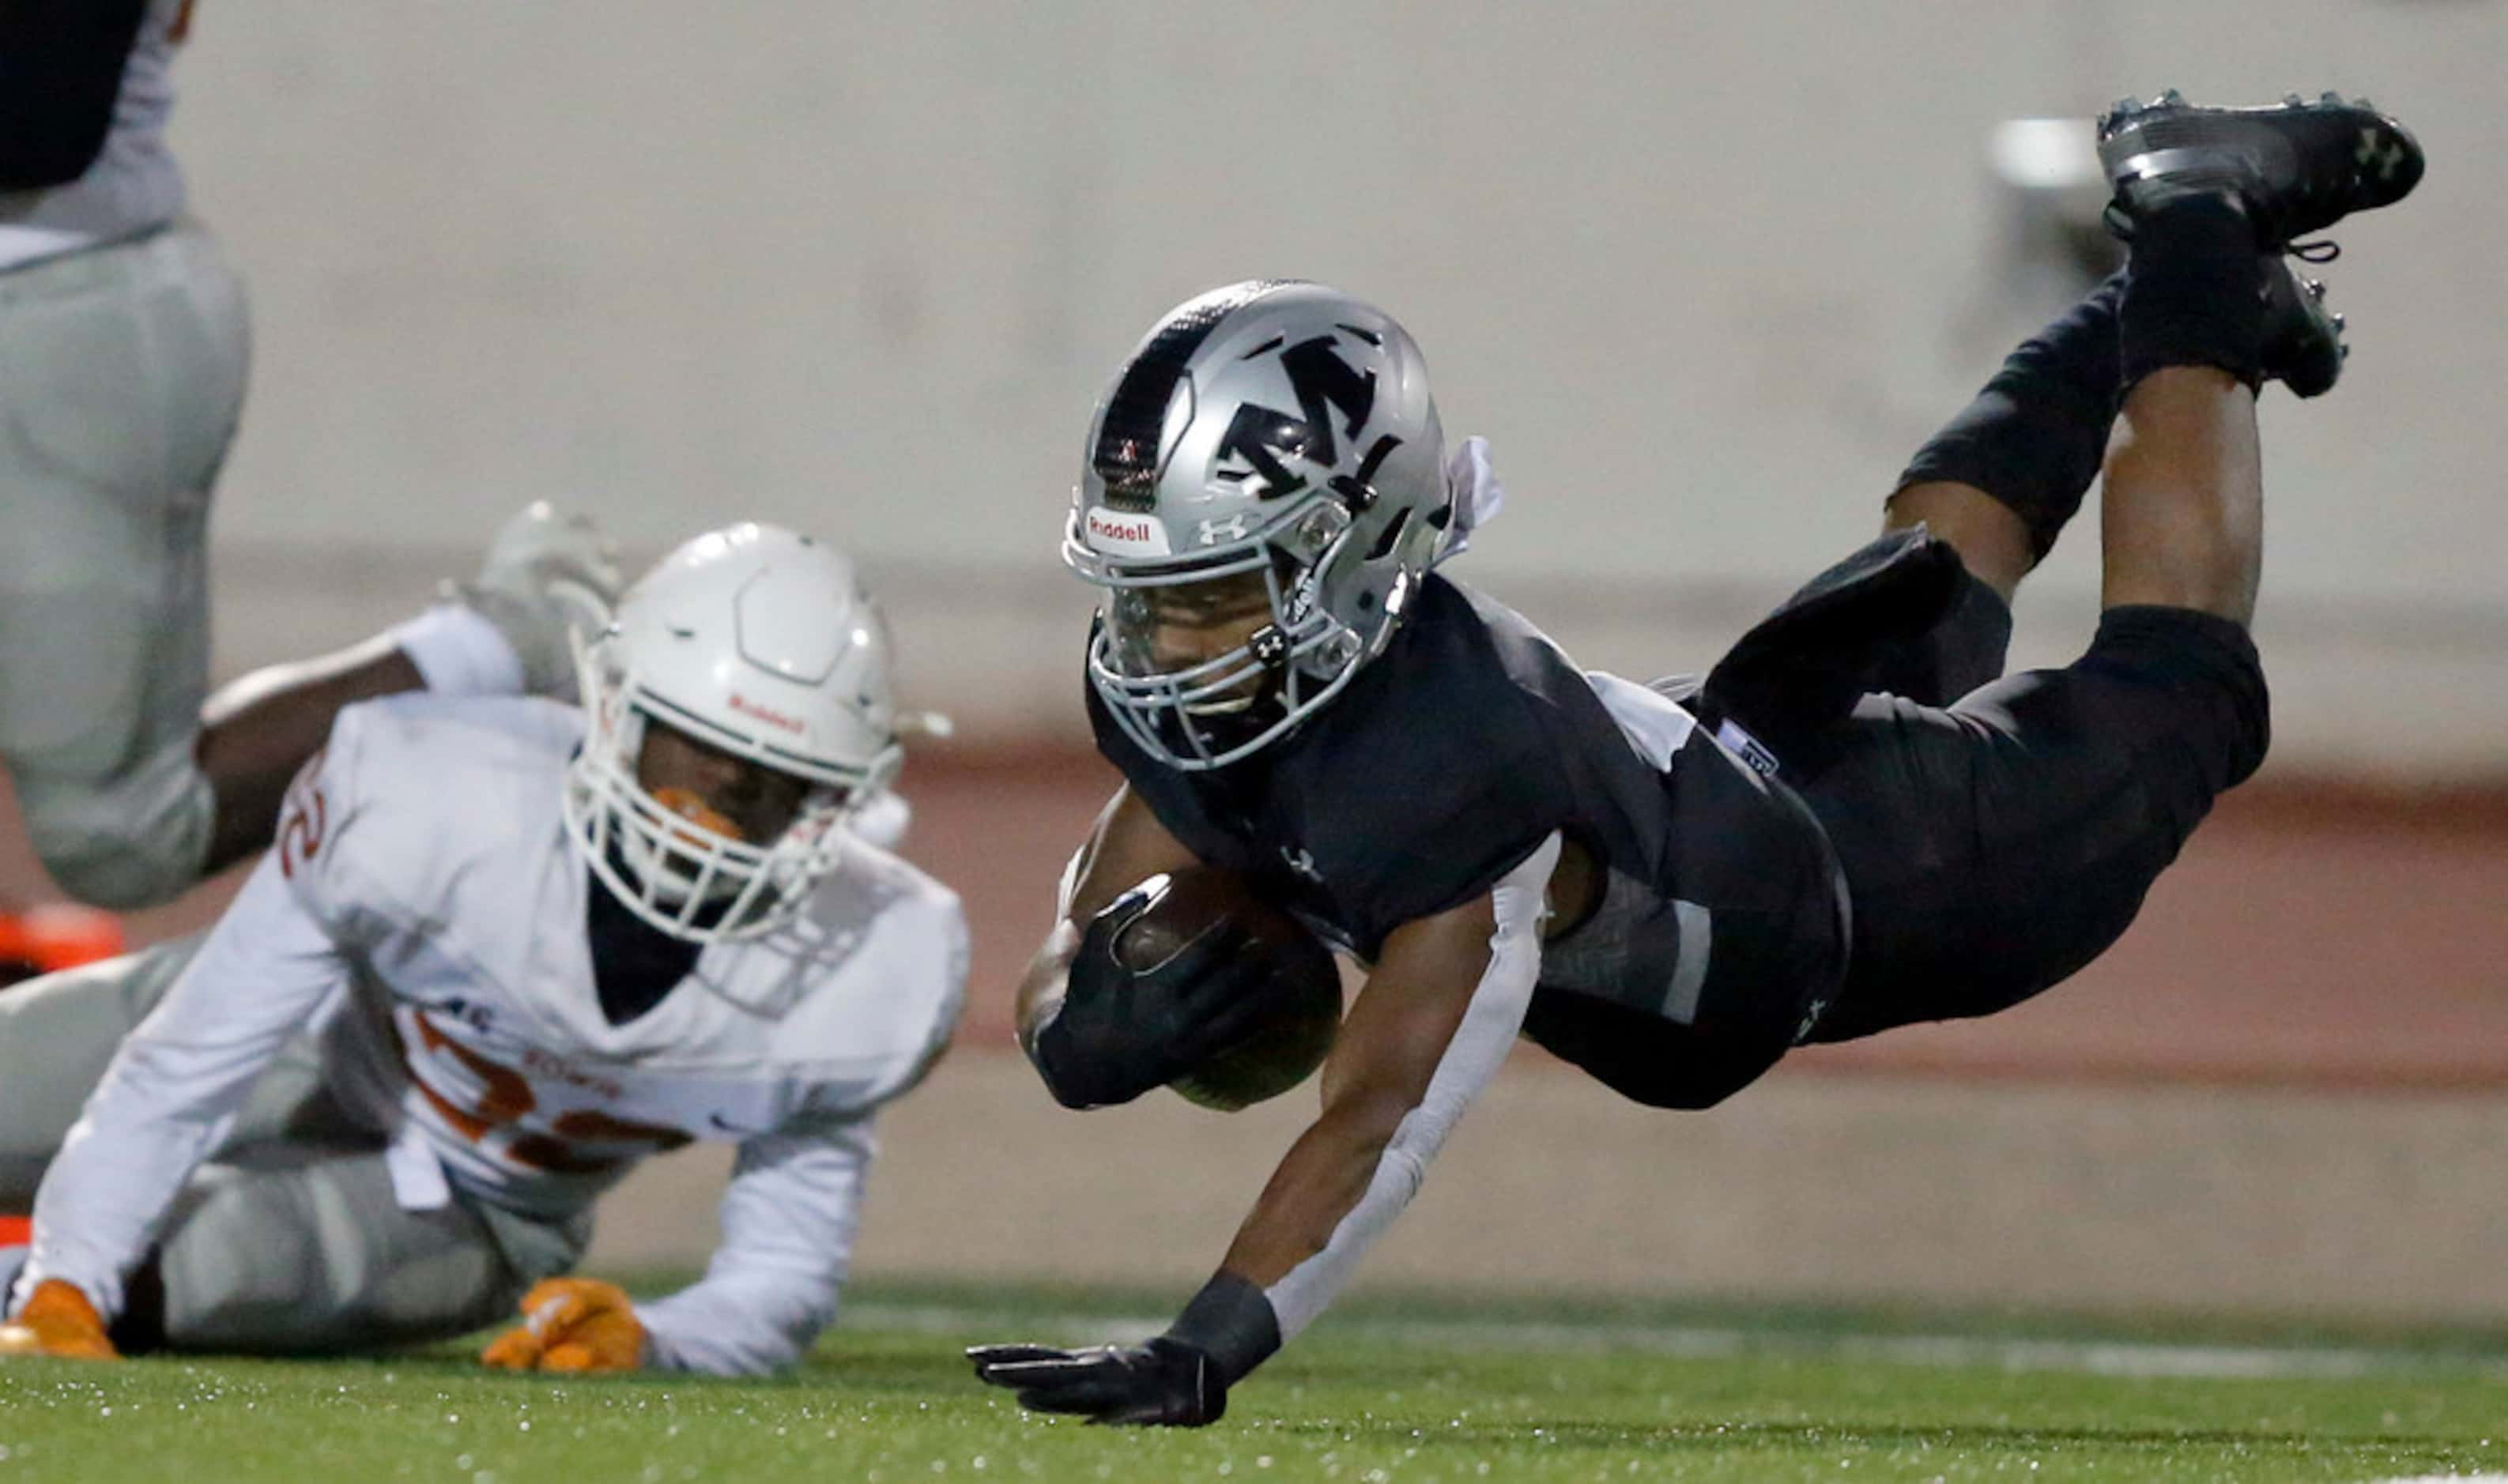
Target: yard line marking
(2136,1360)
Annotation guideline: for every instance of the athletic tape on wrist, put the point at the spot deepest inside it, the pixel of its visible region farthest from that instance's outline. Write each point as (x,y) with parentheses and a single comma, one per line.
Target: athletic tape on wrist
(1232,1323)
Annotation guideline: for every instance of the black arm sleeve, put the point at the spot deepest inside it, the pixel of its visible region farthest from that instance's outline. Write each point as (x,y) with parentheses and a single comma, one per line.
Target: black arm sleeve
(61,71)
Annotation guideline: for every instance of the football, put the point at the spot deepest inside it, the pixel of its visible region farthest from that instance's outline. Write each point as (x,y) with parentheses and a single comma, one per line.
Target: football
(1304,986)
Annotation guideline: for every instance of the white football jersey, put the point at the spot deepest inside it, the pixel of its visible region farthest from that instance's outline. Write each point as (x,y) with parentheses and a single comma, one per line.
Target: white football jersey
(427,841)
(423,908)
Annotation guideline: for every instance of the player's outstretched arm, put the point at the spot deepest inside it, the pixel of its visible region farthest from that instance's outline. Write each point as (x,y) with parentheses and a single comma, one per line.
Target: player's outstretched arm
(171,1091)
(1433,1026)
(788,1217)
(789,1220)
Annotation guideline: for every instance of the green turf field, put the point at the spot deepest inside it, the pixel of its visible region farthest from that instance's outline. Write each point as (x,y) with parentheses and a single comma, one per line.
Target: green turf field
(1390,1391)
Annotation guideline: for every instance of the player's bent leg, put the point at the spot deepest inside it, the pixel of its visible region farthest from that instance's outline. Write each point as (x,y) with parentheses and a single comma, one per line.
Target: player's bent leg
(124,372)
(102,668)
(125,839)
(2184,510)
(1993,542)
(1998,481)
(292,1249)
(2026,448)
(56,1035)
(1968,646)
(1995,848)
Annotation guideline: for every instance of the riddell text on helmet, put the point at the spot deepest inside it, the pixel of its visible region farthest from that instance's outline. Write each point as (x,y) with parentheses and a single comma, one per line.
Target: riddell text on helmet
(1125,535)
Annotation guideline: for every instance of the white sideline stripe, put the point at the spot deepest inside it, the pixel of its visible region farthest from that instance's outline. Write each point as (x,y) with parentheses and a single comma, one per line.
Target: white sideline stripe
(1695,940)
(1689,1342)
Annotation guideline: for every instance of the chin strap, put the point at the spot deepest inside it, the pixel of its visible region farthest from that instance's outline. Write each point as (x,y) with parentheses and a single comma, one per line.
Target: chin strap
(1477,497)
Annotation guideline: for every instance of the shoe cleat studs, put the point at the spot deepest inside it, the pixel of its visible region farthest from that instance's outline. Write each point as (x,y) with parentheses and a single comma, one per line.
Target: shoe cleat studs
(2171,100)
(2316,288)
(2338,323)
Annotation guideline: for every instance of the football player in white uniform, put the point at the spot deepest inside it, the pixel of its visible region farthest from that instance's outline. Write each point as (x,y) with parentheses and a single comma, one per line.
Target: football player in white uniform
(504,950)
(122,354)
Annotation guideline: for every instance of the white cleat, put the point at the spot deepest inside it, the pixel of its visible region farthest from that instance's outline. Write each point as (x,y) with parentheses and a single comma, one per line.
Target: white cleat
(545,574)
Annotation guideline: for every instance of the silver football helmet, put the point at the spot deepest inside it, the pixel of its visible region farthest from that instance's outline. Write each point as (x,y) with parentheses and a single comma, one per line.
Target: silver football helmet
(1274,436)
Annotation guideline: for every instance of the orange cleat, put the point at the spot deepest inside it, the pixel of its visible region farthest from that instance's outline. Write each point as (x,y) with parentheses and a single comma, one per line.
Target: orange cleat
(59,1323)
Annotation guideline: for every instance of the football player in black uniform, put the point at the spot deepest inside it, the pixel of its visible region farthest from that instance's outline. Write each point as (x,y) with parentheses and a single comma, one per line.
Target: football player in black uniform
(1853,823)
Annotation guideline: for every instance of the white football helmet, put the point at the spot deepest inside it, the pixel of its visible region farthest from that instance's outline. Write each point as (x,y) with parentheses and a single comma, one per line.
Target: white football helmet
(1272,427)
(760,643)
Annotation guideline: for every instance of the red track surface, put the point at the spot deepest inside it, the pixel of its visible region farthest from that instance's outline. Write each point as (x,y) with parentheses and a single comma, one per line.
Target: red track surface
(2311,934)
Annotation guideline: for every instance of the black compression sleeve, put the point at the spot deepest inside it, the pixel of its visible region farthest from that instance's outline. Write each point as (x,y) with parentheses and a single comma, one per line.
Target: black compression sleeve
(2035,436)
(61,72)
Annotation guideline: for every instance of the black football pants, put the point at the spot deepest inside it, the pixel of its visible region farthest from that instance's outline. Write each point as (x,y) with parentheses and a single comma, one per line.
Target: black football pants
(1996,843)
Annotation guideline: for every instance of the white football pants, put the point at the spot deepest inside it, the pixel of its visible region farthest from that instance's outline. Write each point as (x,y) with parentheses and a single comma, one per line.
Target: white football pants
(288,1240)
(122,375)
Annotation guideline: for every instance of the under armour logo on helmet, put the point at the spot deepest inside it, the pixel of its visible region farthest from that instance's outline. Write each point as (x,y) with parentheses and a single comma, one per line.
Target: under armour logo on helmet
(1269,647)
(1265,437)
(1234,527)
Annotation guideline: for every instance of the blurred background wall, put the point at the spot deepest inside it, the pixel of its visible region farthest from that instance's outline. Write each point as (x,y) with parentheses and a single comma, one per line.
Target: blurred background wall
(1706,276)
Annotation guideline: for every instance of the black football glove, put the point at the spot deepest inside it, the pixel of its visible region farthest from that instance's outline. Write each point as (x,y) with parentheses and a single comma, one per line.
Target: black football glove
(1164,1383)
(1118,1031)
(1178,1380)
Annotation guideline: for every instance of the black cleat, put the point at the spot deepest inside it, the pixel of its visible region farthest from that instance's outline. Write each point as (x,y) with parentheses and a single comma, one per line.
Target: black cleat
(2303,342)
(2297,167)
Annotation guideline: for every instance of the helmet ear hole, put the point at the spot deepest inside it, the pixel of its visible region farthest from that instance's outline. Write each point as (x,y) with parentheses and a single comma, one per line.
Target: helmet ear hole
(1392,536)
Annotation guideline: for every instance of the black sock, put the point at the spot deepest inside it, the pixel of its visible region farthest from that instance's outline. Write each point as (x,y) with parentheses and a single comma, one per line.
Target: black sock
(2193,290)
(2034,438)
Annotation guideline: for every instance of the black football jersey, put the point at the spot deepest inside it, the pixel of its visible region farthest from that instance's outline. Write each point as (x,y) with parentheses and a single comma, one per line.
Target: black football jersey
(1452,756)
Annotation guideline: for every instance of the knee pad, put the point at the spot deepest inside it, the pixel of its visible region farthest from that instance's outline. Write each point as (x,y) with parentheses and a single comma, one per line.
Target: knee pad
(130,838)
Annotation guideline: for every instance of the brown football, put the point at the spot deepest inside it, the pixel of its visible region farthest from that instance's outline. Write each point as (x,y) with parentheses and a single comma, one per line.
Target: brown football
(1304,986)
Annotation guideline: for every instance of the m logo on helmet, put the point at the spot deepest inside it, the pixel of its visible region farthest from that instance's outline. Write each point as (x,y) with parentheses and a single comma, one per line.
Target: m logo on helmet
(1260,439)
